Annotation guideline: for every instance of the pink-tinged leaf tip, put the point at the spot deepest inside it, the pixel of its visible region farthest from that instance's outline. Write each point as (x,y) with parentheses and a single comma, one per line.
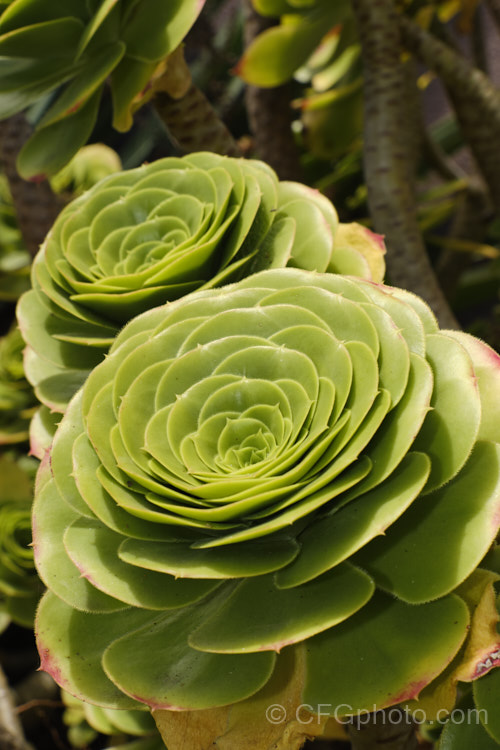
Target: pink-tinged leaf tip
(157,706)
(37,178)
(410,692)
(377,238)
(48,665)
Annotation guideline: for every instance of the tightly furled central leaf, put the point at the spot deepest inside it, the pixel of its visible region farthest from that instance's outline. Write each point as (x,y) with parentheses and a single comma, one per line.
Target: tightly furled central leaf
(219,487)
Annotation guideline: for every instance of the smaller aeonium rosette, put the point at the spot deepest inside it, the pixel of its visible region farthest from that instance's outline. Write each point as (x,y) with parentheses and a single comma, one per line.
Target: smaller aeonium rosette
(18,403)
(295,459)
(20,587)
(149,235)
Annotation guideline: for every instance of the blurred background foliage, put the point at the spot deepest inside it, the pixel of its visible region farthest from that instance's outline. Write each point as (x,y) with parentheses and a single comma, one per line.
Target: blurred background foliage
(392,109)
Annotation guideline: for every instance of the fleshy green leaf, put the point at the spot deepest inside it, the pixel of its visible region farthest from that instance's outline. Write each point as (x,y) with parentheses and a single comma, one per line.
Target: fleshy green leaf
(486,692)
(443,536)
(258,616)
(51,147)
(386,653)
(63,632)
(157,666)
(335,537)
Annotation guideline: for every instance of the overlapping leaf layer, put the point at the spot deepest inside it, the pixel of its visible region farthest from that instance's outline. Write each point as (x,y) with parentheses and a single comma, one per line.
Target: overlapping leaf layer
(297,459)
(149,235)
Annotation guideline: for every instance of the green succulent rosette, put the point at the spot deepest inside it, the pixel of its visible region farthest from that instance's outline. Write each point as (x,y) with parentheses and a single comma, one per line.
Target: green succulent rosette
(296,466)
(20,587)
(18,402)
(150,235)
(72,48)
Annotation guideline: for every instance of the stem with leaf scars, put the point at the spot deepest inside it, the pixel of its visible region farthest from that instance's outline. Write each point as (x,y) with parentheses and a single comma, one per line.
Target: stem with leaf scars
(193,123)
(187,114)
(475,99)
(387,158)
(36,204)
(494,7)
(387,730)
(270,114)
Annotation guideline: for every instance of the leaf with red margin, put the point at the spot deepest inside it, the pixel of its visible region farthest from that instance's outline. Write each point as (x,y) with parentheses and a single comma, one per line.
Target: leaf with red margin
(71,644)
(487,368)
(477,654)
(249,725)
(443,536)
(384,654)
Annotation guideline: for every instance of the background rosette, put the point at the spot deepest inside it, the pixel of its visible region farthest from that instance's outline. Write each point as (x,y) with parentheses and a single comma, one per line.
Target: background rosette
(152,234)
(276,469)
(20,587)
(17,400)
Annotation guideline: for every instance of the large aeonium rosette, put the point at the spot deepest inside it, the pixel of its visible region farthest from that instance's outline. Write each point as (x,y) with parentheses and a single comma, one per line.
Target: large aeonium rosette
(295,459)
(152,234)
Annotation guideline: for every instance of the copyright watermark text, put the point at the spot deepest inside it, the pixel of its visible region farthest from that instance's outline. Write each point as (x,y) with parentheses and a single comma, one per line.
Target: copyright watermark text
(276,713)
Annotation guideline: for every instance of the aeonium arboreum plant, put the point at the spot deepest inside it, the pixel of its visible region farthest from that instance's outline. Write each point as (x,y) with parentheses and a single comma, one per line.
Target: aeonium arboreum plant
(276,485)
(152,234)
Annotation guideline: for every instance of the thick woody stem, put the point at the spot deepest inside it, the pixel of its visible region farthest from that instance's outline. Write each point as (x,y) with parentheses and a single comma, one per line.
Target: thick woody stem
(475,99)
(193,123)
(270,114)
(36,205)
(494,6)
(387,156)
(385,730)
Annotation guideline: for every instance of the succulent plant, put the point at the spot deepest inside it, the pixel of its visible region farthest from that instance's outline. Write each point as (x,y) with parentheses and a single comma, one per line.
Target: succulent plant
(18,403)
(296,467)
(152,234)
(72,48)
(276,54)
(20,587)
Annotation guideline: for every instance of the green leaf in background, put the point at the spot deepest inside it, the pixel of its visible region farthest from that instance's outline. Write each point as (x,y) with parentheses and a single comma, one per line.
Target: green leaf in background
(70,48)
(51,147)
